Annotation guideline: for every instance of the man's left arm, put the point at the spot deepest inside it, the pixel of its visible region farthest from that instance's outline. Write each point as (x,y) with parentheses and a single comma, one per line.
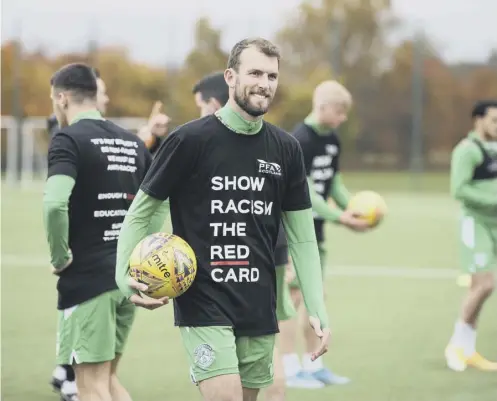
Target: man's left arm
(299,227)
(62,172)
(303,247)
(339,192)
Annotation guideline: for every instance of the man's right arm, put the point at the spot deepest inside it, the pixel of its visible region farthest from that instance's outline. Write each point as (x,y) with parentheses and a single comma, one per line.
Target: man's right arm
(465,157)
(170,167)
(145,216)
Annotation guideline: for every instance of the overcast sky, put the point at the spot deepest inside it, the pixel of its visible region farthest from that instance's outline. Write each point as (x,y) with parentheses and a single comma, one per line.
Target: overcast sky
(160,30)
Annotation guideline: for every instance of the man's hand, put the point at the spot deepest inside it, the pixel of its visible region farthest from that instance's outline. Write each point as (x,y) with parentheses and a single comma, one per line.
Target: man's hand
(323,334)
(158,121)
(141,299)
(353,221)
(57,271)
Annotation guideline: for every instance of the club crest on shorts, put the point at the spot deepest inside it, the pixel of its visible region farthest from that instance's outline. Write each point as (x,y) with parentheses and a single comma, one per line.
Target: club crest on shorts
(203,356)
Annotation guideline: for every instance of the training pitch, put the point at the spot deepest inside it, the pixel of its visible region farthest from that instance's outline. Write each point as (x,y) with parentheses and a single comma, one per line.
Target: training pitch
(392,299)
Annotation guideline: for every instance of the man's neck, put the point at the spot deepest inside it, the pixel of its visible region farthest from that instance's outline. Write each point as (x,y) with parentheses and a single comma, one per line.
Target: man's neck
(236,121)
(84,111)
(313,121)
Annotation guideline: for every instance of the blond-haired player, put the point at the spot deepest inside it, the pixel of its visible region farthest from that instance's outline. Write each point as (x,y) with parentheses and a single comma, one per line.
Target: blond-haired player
(322,149)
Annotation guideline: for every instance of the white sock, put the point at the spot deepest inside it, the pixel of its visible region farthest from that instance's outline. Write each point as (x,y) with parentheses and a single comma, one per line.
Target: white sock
(464,337)
(291,364)
(59,373)
(311,366)
(69,388)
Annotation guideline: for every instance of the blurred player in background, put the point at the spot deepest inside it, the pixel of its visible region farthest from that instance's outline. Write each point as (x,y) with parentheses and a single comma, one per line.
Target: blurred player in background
(63,379)
(156,129)
(82,219)
(227,318)
(151,133)
(211,93)
(473,182)
(321,147)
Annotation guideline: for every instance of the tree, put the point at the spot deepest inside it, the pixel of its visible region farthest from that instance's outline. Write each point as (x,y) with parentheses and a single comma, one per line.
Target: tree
(205,58)
(334,39)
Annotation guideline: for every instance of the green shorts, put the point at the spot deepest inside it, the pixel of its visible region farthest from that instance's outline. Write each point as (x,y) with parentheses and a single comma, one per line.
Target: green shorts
(94,331)
(215,351)
(284,304)
(322,257)
(479,245)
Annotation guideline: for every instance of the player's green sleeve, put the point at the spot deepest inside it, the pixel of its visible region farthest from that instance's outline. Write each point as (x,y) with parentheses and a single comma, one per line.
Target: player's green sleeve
(58,189)
(321,207)
(339,192)
(145,216)
(465,157)
(303,247)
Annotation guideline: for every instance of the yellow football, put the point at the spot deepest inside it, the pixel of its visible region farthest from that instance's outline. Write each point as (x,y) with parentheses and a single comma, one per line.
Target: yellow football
(369,205)
(165,263)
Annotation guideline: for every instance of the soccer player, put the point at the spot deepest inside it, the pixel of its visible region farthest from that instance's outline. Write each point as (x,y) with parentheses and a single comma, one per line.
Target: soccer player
(230,178)
(321,147)
(63,378)
(94,171)
(473,182)
(211,93)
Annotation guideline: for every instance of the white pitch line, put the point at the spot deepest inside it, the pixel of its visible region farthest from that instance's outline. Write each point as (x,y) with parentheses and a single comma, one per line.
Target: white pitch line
(16,261)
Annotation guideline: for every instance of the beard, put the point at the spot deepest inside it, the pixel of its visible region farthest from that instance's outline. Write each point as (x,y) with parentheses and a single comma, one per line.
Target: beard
(242,99)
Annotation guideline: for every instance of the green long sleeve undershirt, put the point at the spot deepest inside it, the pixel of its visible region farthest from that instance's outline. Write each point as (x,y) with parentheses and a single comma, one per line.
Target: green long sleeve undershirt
(479,198)
(338,192)
(145,216)
(58,189)
(302,244)
(301,241)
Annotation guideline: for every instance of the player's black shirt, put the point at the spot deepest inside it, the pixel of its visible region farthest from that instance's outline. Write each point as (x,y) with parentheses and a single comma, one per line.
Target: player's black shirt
(321,158)
(281,250)
(227,192)
(487,170)
(108,164)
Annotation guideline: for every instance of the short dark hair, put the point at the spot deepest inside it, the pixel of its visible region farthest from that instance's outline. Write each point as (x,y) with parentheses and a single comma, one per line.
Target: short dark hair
(213,86)
(481,107)
(261,44)
(78,78)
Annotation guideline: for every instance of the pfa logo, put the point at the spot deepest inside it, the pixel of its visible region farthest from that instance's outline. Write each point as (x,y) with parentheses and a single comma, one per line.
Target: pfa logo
(269,168)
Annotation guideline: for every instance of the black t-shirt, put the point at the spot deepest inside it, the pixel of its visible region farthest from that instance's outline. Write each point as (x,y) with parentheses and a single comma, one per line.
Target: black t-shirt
(227,192)
(321,158)
(108,164)
(281,250)
(487,170)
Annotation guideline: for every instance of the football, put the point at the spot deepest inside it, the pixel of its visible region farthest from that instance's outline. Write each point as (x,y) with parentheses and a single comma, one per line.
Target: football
(165,263)
(369,205)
